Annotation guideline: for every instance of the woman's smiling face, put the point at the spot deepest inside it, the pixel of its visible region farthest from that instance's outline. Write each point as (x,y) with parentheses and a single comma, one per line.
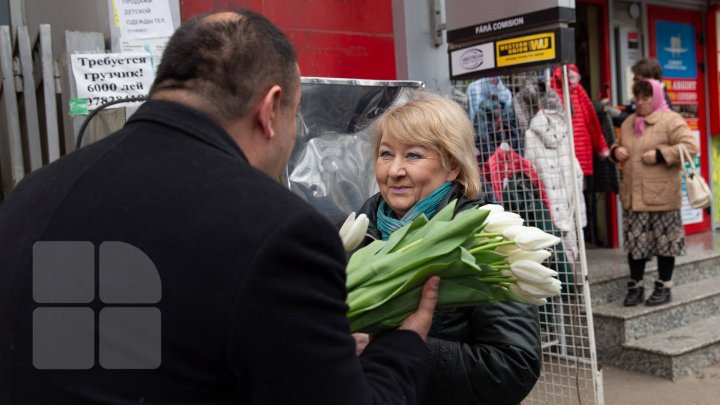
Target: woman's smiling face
(408,173)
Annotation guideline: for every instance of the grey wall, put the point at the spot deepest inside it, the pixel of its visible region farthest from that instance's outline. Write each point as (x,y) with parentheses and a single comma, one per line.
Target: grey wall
(416,57)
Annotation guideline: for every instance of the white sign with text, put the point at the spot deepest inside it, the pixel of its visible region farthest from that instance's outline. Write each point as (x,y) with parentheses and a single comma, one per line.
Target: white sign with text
(140,19)
(105,77)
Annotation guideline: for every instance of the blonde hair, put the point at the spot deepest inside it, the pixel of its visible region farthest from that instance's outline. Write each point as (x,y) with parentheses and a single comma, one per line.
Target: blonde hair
(432,121)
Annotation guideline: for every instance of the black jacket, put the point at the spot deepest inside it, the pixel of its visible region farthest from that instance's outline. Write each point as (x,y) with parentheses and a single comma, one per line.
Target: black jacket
(489,354)
(253,279)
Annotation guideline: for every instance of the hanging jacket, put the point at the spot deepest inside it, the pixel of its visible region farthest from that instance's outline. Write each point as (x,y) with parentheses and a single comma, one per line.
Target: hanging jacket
(520,195)
(548,149)
(587,134)
(502,165)
(487,89)
(495,124)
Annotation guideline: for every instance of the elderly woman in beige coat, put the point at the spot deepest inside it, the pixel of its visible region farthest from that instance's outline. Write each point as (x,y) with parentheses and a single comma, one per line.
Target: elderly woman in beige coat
(648,150)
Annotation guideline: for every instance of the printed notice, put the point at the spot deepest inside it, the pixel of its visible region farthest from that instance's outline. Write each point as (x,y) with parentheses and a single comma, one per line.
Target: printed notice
(105,77)
(154,46)
(527,49)
(141,19)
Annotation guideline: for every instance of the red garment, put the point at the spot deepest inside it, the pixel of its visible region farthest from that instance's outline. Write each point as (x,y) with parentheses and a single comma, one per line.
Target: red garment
(587,133)
(502,165)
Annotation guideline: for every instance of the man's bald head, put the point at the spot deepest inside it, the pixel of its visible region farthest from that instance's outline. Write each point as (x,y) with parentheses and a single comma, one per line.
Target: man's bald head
(227,59)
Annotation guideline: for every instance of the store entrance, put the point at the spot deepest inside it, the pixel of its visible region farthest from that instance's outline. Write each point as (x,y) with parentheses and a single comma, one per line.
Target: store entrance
(674,37)
(592,59)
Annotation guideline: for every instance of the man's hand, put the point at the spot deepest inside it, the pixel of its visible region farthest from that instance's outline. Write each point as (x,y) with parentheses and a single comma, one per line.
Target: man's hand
(421,320)
(361,342)
(621,154)
(649,157)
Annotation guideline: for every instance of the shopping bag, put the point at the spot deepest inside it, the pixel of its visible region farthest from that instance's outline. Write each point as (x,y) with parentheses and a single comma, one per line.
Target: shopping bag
(698,191)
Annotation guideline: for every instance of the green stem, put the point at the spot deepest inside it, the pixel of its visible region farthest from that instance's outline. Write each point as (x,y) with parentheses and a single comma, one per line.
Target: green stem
(488,235)
(492,246)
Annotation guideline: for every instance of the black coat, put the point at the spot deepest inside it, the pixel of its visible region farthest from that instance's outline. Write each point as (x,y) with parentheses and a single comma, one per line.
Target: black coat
(253,282)
(489,354)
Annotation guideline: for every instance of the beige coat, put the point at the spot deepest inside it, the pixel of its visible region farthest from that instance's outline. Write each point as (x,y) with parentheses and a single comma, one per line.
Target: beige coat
(654,187)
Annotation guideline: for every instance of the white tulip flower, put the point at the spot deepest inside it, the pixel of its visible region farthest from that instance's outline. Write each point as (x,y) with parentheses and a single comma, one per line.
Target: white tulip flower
(528,298)
(532,238)
(537,256)
(492,207)
(353,231)
(531,272)
(497,221)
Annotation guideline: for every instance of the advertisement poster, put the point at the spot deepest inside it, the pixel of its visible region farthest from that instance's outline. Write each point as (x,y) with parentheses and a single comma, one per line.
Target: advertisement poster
(676,50)
(677,55)
(105,77)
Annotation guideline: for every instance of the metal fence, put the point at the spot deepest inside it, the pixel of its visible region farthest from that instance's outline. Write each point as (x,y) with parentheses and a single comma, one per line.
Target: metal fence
(526,158)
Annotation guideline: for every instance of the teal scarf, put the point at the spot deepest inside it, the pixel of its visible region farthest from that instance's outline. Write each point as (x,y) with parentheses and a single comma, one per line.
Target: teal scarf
(387,223)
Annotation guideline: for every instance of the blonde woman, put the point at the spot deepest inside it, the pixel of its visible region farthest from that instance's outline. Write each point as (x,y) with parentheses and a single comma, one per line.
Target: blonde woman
(425,158)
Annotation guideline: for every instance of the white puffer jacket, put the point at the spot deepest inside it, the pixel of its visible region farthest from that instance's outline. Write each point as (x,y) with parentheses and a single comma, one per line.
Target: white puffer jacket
(547,147)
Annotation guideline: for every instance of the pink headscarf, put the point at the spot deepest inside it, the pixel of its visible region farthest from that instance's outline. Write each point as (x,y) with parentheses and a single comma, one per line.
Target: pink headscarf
(658,104)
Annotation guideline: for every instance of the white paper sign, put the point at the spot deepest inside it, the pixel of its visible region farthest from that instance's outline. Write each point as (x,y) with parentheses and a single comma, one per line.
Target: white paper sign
(473,59)
(154,46)
(105,77)
(144,19)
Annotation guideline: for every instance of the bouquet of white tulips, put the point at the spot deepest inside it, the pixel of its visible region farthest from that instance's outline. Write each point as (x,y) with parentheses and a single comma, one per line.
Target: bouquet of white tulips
(482,255)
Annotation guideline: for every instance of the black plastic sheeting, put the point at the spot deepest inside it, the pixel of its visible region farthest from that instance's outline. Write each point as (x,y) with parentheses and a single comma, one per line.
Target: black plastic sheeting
(332,164)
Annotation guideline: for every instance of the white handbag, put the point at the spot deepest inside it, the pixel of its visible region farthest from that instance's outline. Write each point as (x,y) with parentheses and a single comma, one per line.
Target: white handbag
(698,191)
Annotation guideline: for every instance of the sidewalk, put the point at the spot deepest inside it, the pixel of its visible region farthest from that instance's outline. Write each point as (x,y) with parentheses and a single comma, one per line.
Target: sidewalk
(623,387)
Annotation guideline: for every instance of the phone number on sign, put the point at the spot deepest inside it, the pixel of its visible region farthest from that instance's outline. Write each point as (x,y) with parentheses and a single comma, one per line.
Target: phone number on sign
(98,101)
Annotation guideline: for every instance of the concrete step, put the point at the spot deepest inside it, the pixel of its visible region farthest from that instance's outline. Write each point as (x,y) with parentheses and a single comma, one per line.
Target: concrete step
(676,353)
(688,269)
(615,324)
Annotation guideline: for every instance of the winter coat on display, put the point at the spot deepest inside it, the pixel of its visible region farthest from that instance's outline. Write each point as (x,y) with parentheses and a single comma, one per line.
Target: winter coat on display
(548,149)
(587,134)
(521,196)
(526,103)
(495,125)
(503,165)
(654,187)
(487,89)
(488,354)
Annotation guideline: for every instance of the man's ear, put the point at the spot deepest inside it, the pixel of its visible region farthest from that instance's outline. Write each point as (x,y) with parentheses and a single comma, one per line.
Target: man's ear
(269,110)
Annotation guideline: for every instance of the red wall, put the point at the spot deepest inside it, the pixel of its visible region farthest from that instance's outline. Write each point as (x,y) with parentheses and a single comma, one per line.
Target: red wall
(333,38)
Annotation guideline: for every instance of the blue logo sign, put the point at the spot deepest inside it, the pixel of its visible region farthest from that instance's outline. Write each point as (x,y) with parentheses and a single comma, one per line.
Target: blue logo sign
(676,49)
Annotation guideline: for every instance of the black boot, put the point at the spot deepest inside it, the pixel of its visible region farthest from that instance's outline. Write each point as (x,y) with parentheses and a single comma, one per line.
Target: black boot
(635,293)
(661,294)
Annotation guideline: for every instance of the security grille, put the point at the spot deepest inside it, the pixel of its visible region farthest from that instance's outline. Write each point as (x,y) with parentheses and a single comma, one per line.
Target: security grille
(526,158)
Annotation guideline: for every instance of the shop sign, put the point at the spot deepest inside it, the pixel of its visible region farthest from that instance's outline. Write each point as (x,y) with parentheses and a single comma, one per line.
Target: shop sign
(527,49)
(474,59)
(504,55)
(472,20)
(676,49)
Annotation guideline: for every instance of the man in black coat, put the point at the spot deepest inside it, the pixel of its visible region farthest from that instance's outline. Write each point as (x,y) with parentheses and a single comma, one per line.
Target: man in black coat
(165,265)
